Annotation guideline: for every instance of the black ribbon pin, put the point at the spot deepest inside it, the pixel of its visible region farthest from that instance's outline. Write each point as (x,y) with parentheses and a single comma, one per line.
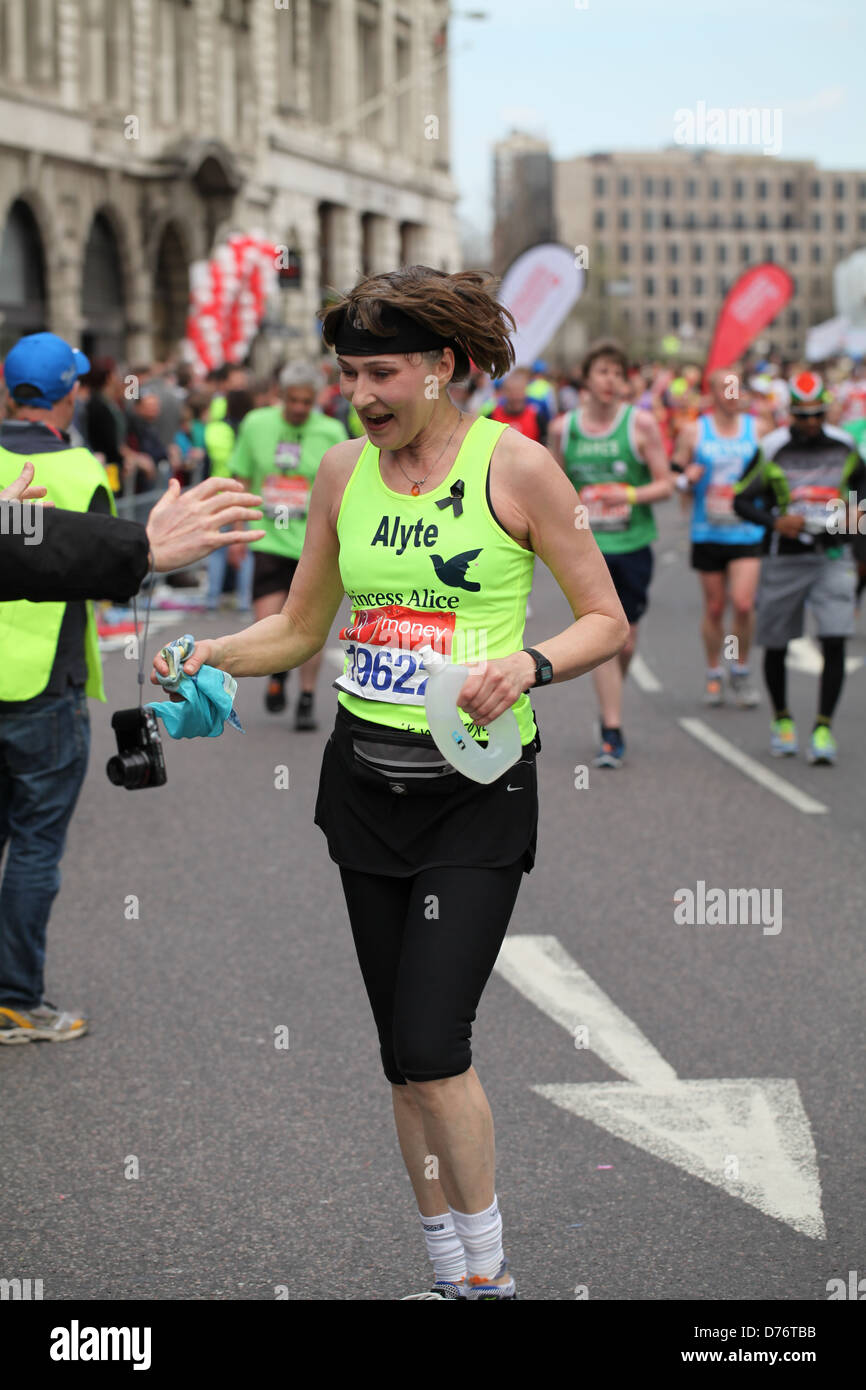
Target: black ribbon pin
(456,498)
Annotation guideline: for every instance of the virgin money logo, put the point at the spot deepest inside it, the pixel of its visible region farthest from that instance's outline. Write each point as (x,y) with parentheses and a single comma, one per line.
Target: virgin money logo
(397,626)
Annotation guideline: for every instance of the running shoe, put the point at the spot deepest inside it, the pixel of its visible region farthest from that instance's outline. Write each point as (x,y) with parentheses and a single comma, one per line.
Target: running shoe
(304,711)
(745,694)
(822,748)
(612,749)
(783,738)
(713,692)
(443,1289)
(275,695)
(477,1287)
(45,1023)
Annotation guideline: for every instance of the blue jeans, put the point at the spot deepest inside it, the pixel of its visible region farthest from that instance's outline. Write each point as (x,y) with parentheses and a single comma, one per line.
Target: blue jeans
(44,747)
(216,573)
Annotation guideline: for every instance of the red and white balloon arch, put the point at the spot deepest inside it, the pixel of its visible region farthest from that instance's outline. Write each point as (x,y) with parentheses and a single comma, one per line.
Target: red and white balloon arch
(228,294)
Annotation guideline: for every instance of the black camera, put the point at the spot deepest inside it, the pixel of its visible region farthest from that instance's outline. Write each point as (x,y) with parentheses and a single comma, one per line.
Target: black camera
(139,761)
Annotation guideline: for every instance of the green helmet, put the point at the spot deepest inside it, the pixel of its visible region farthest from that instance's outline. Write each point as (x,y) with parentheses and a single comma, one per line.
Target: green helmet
(808,396)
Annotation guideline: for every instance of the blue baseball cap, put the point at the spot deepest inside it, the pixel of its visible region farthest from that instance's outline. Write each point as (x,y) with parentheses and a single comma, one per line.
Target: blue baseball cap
(46,362)
(539,365)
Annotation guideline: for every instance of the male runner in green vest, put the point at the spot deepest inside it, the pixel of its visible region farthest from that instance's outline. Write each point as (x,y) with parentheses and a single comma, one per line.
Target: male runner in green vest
(614,455)
(277,454)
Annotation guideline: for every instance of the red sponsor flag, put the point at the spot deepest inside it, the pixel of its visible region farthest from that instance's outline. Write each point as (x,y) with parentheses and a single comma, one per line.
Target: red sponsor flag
(750,304)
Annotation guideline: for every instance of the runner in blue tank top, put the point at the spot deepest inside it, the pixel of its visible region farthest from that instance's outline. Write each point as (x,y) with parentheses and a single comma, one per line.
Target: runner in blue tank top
(715,451)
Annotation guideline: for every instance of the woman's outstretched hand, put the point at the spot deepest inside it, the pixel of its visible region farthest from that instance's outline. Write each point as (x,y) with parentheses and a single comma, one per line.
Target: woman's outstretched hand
(204,653)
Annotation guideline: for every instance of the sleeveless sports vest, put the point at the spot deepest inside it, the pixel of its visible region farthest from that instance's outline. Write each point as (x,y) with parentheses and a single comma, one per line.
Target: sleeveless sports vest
(724,461)
(426,570)
(29,631)
(594,459)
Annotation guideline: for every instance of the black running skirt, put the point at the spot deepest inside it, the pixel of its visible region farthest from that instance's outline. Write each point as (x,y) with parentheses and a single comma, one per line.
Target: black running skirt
(388,803)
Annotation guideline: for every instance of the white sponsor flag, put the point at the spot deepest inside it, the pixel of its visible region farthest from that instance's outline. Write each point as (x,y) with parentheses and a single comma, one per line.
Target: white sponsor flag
(826,339)
(539,288)
(855,342)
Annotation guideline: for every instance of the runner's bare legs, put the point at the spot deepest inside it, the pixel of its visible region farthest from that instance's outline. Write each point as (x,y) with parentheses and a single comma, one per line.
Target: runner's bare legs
(449,1120)
(609,679)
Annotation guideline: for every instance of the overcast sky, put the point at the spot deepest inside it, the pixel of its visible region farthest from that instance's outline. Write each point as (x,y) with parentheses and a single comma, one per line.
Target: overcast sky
(609,74)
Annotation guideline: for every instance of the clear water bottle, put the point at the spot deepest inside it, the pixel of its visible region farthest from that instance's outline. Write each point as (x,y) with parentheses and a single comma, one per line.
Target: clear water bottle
(444,683)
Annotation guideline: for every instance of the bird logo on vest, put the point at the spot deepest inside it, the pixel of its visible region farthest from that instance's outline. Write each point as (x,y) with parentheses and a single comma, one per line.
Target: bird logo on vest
(453,571)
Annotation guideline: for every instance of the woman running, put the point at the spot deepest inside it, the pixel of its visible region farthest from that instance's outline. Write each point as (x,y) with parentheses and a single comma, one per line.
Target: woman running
(430,523)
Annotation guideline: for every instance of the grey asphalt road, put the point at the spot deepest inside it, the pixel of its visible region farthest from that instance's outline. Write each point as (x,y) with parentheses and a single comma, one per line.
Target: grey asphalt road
(262,1168)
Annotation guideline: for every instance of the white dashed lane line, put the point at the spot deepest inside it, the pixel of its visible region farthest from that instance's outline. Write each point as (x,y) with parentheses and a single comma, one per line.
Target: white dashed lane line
(643,676)
(645,680)
(750,768)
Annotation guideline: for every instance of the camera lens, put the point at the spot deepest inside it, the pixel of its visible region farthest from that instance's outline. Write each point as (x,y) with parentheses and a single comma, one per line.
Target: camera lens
(114,768)
(130,770)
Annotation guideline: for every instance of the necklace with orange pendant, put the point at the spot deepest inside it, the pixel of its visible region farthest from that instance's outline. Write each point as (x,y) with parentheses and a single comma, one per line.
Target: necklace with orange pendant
(419,483)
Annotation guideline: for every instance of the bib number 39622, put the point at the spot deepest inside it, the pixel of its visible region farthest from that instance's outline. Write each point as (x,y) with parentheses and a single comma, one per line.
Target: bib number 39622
(381,646)
(383,673)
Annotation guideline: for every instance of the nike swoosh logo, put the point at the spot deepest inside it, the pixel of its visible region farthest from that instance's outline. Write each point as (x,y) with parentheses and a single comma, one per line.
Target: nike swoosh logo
(509,788)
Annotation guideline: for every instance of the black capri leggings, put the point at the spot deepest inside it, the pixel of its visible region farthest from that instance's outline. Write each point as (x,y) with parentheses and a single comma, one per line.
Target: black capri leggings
(426,945)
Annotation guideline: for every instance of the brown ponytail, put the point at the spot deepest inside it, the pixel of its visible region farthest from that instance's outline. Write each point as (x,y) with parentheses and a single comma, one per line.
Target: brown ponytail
(460,306)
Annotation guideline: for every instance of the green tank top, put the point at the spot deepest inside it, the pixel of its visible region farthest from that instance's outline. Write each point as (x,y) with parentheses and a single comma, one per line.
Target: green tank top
(591,459)
(416,574)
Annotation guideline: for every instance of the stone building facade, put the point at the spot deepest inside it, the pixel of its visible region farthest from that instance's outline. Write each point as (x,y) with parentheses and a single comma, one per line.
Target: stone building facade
(136,135)
(523,213)
(666,233)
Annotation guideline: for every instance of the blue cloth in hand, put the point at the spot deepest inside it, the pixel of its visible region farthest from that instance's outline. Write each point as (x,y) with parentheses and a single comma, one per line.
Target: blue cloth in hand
(207,697)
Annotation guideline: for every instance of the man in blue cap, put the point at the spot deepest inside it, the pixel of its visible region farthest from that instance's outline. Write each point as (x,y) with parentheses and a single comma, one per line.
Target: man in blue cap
(49,650)
(49,663)
(42,369)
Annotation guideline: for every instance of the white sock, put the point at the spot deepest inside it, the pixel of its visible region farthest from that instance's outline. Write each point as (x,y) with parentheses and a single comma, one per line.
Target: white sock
(444,1246)
(481,1234)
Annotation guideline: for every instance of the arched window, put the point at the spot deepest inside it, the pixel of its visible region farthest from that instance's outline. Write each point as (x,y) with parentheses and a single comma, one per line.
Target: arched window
(326,239)
(368,233)
(103,307)
(170,294)
(22,278)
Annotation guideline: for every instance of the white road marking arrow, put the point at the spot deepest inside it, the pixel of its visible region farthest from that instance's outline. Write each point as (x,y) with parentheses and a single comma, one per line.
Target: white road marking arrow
(701,1126)
(804,654)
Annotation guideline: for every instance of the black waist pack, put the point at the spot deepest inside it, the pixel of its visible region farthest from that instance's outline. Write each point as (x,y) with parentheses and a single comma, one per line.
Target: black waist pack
(392,757)
(400,757)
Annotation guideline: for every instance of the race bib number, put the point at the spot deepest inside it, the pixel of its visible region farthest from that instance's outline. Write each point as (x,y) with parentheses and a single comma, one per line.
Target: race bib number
(811,503)
(285,496)
(607,509)
(381,645)
(719,505)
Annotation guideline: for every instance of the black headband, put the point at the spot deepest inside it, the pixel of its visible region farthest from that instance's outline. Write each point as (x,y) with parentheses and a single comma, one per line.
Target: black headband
(405,334)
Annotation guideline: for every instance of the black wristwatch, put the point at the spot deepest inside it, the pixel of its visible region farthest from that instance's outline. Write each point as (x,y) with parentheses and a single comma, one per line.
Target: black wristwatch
(543,668)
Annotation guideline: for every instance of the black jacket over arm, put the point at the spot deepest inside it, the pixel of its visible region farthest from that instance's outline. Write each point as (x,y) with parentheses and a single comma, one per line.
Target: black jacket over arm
(81,555)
